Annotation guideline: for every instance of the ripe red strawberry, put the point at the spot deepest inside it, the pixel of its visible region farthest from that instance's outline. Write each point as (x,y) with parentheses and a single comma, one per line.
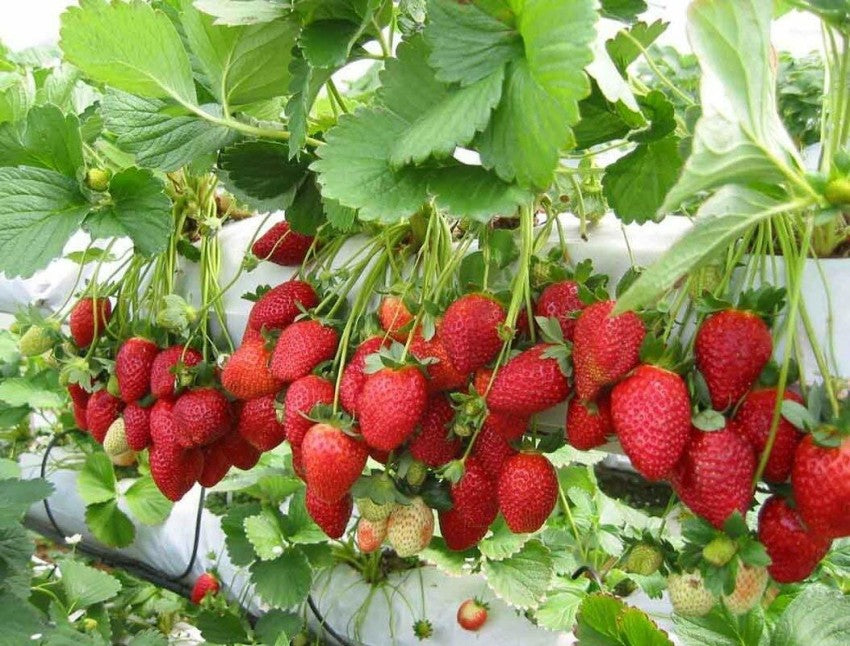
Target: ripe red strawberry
(133,365)
(491,450)
(390,406)
(216,464)
(605,348)
(89,319)
(794,551)
(332,461)
(354,375)
(589,423)
(80,417)
(332,517)
(258,423)
(752,422)
(174,470)
(472,614)
(201,417)
(432,443)
(164,383)
(442,375)
(137,426)
(101,410)
(301,397)
(161,421)
(714,475)
(278,307)
(731,349)
(79,395)
(301,347)
(821,481)
(528,384)
(651,411)
(474,495)
(470,331)
(510,427)
(395,318)
(527,491)
(561,301)
(246,374)
(282,246)
(205,584)
(370,534)
(242,453)
(458,533)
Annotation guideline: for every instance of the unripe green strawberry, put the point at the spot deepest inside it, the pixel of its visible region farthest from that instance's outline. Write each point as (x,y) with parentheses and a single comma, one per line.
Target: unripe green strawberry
(719,550)
(688,594)
(423,629)
(416,473)
(643,559)
(35,341)
(115,444)
(410,528)
(750,584)
(97,179)
(373,511)
(370,534)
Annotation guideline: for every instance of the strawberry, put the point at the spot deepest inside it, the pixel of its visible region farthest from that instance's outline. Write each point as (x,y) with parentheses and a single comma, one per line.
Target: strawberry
(101,410)
(246,374)
(80,416)
(115,444)
(137,426)
(282,246)
(510,427)
(249,335)
(332,517)
(133,368)
(472,614)
(410,528)
(371,510)
(821,482)
(731,348)
(752,422)
(750,583)
(301,397)
(688,594)
(89,318)
(354,375)
(644,559)
(301,347)
(605,347)
(201,416)
(36,341)
(79,395)
(651,412)
(370,534)
(714,475)
(243,455)
(258,423)
(589,423)
(395,318)
(529,383)
(175,470)
(432,444)
(794,551)
(206,584)
(332,461)
(458,533)
(279,306)
(161,421)
(527,491)
(491,450)
(390,406)
(474,495)
(164,382)
(470,331)
(216,464)
(441,374)
(561,301)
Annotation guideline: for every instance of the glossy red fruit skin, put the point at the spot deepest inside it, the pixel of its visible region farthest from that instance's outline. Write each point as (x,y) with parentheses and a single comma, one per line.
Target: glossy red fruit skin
(201,417)
(561,301)
(332,461)
(651,412)
(527,384)
(491,450)
(163,380)
(246,374)
(714,476)
(79,395)
(752,422)
(354,375)
(80,416)
(458,533)
(510,427)
(606,348)
(441,375)
(216,464)
(431,443)
(331,517)
(821,482)
(278,307)
(174,470)
(794,551)
(393,316)
(242,453)
(101,410)
(282,245)
(731,349)
(586,428)
(133,365)
(470,615)
(470,331)
(390,406)
(82,320)
(137,426)
(474,495)
(301,347)
(257,422)
(301,397)
(205,584)
(527,491)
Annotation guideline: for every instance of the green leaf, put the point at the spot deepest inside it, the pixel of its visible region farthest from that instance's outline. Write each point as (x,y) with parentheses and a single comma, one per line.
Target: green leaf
(46,139)
(9,469)
(819,615)
(20,621)
(244,64)
(473,192)
(239,548)
(604,620)
(306,213)
(23,391)
(522,579)
(244,12)
(721,628)
(624,10)
(17,93)
(139,209)
(158,133)
(86,586)
(150,637)
(603,121)
(304,85)
(638,629)
(96,481)
(299,527)
(284,582)
(39,210)
(263,170)
(15,555)
(503,543)
(624,52)
(110,525)
(274,623)
(16,496)
(221,628)
(146,502)
(449,561)
(340,217)
(558,611)
(265,535)
(129,46)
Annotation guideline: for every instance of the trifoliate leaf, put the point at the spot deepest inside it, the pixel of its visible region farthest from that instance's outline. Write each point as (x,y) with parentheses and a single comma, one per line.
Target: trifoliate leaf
(20,620)
(819,615)
(17,94)
(274,623)
(306,213)
(146,502)
(284,582)
(265,535)
(16,496)
(522,579)
(96,481)
(221,627)
(23,391)
(239,548)
(46,139)
(86,586)
(624,52)
(244,12)
(263,170)
(624,10)
(558,611)
(304,85)
(503,542)
(449,561)
(603,121)
(110,525)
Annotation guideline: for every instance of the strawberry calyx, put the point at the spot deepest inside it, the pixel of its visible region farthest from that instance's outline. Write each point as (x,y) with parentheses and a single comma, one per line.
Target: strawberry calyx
(765,302)
(324,414)
(666,356)
(395,357)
